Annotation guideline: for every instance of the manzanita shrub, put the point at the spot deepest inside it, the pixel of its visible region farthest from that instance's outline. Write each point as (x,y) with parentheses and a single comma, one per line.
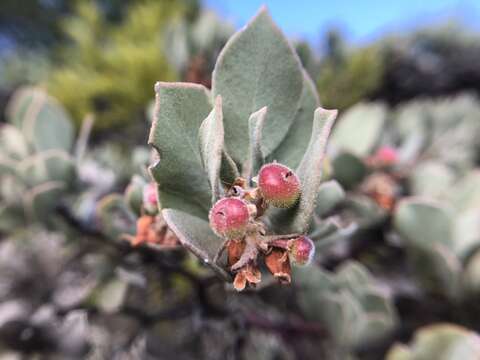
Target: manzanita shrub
(236,170)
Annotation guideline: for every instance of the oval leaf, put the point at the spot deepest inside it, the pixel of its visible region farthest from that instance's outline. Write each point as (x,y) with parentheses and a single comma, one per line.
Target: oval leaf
(45,122)
(359,129)
(424,223)
(257,68)
(180,109)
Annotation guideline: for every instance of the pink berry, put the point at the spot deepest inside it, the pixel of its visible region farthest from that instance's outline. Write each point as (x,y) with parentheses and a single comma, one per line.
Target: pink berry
(150,197)
(387,155)
(301,250)
(229,218)
(279,185)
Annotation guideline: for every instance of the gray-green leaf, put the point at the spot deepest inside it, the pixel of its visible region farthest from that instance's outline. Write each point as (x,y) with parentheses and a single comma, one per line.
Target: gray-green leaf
(255,129)
(257,68)
(211,146)
(424,223)
(291,149)
(359,128)
(45,123)
(195,235)
(330,194)
(179,112)
(310,174)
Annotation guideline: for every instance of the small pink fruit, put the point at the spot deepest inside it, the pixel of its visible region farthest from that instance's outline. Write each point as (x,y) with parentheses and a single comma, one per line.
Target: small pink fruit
(387,155)
(229,218)
(150,197)
(279,185)
(302,250)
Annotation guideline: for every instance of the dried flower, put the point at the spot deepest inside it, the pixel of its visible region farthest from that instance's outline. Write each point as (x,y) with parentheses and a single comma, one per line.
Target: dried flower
(278,264)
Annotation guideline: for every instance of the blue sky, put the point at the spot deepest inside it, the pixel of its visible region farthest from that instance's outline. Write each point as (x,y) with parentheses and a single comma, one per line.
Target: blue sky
(361,20)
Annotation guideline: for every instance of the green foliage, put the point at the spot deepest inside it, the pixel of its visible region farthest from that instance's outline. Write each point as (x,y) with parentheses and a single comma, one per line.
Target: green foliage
(442,341)
(36,146)
(352,308)
(349,78)
(359,129)
(107,66)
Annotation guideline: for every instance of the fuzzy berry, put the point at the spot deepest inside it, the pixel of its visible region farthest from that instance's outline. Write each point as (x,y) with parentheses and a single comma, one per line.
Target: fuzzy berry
(150,198)
(302,250)
(229,218)
(387,155)
(279,185)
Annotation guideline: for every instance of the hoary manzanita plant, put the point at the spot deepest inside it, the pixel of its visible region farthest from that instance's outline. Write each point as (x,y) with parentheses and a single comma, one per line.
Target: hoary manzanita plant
(236,170)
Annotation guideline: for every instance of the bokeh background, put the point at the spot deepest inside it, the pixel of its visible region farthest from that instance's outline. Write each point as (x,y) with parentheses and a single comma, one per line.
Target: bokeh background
(70,287)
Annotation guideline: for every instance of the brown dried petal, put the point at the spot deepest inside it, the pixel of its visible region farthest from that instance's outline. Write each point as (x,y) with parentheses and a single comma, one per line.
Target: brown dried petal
(235,249)
(278,264)
(240,281)
(252,273)
(144,224)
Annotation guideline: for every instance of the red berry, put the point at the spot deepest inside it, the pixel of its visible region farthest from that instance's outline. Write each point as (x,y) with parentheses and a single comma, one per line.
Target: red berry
(301,250)
(229,218)
(279,185)
(387,155)
(150,197)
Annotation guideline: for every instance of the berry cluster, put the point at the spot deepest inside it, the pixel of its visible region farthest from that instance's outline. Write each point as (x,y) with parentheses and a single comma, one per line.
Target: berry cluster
(237,218)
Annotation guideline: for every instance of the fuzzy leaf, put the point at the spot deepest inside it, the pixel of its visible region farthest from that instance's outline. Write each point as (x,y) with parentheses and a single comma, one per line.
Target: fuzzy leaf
(211,146)
(465,194)
(256,123)
(439,341)
(40,200)
(228,170)
(43,120)
(256,68)
(134,194)
(7,166)
(466,232)
(114,216)
(11,217)
(297,219)
(330,194)
(291,149)
(196,235)
(437,269)
(431,179)
(12,143)
(471,275)
(359,129)
(49,165)
(19,104)
(424,223)
(349,169)
(179,112)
